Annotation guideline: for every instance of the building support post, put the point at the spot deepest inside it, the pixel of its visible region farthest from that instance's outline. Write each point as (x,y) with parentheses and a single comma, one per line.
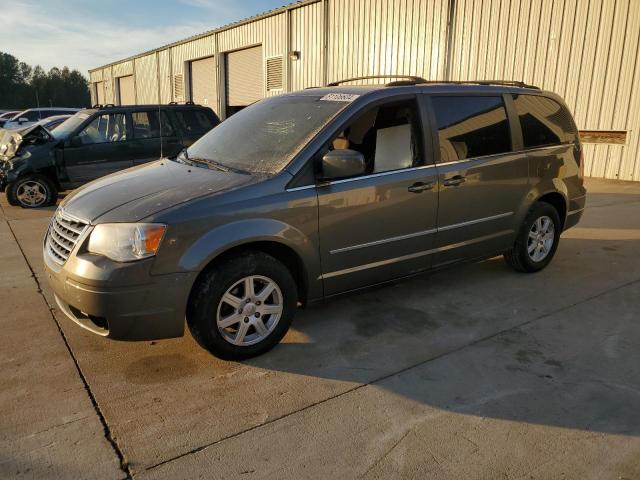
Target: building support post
(158,77)
(287,59)
(451,31)
(325,41)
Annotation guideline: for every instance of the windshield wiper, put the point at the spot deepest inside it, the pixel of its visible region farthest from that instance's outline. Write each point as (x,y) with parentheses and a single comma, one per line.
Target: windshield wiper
(208,163)
(185,158)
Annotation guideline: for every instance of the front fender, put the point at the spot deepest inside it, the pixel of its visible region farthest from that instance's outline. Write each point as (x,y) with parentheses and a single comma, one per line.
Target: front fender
(32,161)
(243,232)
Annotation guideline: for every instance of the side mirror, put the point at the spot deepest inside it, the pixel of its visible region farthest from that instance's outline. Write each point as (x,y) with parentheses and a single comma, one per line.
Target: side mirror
(342,164)
(23,120)
(75,142)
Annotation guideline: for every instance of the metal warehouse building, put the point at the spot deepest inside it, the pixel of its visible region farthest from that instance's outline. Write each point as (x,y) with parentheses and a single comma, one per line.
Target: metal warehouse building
(585,50)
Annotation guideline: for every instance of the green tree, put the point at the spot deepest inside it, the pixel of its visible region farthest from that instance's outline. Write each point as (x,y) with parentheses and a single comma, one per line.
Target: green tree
(23,86)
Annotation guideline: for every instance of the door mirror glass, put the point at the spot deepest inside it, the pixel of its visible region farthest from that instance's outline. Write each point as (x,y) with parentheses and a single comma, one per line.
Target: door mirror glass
(23,120)
(342,164)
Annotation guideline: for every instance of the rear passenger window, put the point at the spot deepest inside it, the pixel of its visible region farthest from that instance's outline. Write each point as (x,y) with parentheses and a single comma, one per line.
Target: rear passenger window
(471,126)
(146,125)
(194,122)
(543,121)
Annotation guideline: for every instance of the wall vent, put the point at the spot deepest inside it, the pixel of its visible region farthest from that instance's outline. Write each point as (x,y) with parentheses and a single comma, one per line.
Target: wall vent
(274,73)
(178,88)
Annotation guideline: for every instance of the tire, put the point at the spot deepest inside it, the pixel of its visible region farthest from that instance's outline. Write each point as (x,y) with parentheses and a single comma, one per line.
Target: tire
(249,317)
(32,191)
(521,257)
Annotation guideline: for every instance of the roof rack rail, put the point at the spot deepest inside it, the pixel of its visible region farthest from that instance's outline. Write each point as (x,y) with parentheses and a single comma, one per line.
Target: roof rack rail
(404,80)
(506,83)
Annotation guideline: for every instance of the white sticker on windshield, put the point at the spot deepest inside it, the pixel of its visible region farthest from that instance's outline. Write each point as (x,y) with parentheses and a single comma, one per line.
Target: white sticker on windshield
(339,97)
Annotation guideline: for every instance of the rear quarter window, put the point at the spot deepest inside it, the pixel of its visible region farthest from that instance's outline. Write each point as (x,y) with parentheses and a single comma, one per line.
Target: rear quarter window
(544,121)
(471,126)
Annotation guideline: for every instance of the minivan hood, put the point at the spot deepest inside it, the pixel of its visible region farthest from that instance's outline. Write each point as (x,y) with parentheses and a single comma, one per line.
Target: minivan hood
(136,193)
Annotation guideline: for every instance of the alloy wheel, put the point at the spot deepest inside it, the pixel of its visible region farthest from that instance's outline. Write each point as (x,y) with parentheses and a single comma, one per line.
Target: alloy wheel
(250,310)
(32,193)
(541,239)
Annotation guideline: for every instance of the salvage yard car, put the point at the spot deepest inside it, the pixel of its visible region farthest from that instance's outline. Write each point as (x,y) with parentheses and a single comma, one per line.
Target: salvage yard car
(5,116)
(29,117)
(37,164)
(307,195)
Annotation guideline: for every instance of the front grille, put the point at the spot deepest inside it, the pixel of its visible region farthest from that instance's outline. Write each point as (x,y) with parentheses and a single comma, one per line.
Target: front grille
(64,232)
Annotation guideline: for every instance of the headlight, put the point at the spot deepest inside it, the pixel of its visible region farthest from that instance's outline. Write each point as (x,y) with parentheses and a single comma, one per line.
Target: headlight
(126,242)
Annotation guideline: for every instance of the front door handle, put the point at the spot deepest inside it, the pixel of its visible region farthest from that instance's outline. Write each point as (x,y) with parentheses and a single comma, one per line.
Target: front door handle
(421,187)
(454,181)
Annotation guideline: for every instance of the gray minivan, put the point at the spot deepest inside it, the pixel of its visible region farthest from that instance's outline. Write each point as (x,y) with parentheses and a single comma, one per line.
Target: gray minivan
(312,194)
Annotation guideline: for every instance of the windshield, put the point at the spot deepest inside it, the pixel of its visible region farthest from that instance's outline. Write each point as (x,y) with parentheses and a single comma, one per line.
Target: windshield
(264,137)
(69,126)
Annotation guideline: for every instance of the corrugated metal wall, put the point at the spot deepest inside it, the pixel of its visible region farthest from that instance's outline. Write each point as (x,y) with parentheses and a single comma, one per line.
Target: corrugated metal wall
(166,94)
(585,50)
(387,37)
(307,38)
(147,79)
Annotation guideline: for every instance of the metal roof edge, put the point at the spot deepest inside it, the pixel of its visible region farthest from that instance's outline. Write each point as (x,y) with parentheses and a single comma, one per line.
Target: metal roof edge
(208,33)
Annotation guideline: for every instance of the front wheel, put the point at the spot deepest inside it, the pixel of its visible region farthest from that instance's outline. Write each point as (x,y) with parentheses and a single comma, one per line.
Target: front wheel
(243,307)
(32,191)
(537,239)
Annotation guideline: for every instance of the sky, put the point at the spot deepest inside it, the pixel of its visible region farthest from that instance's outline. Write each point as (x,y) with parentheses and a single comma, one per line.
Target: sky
(84,34)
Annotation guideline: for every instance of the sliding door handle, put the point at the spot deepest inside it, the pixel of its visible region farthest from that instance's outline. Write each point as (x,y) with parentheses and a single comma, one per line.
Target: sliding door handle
(454,181)
(421,187)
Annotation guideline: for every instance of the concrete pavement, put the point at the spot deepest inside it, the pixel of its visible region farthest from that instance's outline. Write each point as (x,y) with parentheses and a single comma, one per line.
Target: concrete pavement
(474,372)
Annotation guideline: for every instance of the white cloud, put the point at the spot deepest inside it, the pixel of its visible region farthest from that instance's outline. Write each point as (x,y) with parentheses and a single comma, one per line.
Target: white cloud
(31,34)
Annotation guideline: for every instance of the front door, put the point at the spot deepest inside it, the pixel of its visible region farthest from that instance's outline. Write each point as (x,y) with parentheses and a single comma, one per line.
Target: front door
(482,181)
(379,225)
(101,148)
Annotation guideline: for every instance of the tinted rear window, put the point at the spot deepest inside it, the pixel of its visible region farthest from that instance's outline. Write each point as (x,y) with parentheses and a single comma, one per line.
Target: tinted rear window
(544,121)
(471,126)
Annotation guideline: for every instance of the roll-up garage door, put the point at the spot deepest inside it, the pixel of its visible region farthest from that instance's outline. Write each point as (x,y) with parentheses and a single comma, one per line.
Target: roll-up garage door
(100,93)
(244,82)
(204,82)
(127,90)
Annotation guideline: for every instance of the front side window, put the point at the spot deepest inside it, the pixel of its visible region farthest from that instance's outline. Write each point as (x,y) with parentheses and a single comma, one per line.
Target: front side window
(388,136)
(264,137)
(544,122)
(471,126)
(110,127)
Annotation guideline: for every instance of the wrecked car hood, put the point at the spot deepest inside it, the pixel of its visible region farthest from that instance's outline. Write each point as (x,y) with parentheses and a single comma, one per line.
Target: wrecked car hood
(12,140)
(136,193)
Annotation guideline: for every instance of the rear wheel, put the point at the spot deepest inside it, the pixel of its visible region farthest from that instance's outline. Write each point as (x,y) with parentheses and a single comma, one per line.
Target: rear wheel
(537,239)
(32,191)
(243,307)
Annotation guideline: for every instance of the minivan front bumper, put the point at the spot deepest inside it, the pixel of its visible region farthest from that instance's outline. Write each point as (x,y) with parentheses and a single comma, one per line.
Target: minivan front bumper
(125,302)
